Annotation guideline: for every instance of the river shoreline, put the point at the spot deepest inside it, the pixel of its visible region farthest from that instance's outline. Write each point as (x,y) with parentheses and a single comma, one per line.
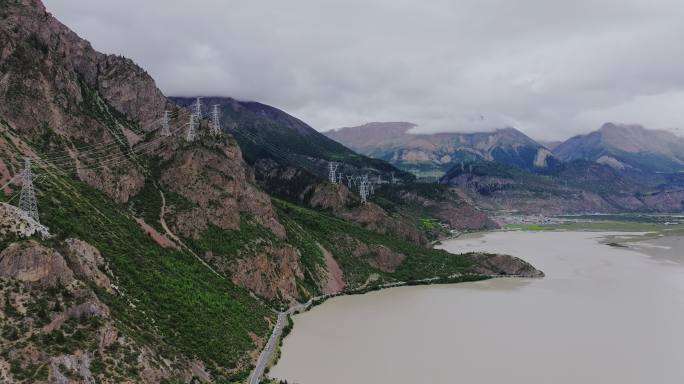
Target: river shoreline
(603,242)
(485,266)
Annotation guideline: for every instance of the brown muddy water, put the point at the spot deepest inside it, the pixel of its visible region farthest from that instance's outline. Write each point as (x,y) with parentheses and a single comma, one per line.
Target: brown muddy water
(602,315)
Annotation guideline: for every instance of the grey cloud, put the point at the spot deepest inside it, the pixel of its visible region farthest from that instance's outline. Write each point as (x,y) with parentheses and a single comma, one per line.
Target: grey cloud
(550,68)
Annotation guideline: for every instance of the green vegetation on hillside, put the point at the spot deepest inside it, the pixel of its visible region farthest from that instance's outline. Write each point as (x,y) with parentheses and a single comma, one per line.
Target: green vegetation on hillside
(339,237)
(178,303)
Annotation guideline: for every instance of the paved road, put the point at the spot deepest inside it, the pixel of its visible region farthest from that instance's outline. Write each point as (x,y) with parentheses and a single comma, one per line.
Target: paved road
(265,355)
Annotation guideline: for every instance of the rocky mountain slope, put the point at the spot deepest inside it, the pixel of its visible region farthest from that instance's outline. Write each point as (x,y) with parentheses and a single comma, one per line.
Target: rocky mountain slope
(265,132)
(576,187)
(167,259)
(433,154)
(627,148)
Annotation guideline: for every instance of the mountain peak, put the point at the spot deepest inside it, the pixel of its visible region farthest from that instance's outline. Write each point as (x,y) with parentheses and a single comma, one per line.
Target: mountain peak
(433,153)
(630,144)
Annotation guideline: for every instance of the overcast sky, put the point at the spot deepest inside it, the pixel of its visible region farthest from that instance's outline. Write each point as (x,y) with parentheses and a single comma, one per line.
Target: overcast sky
(550,68)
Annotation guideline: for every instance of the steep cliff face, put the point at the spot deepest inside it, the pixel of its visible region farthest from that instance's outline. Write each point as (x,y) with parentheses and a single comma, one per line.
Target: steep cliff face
(62,97)
(273,272)
(43,57)
(217,183)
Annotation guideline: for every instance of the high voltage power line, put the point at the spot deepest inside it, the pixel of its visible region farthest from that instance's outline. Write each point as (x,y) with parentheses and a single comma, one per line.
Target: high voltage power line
(108,158)
(28,202)
(101,153)
(316,169)
(90,148)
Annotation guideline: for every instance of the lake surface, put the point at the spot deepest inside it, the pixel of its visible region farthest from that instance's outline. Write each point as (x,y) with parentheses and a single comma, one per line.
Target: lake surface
(602,315)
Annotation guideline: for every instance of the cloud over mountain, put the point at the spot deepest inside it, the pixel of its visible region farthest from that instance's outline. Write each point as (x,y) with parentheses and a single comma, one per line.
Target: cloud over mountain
(551,69)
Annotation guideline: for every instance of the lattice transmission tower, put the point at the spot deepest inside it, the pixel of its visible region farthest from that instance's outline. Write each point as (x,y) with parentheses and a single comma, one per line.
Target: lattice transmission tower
(198,108)
(215,121)
(27,198)
(165,131)
(332,169)
(192,128)
(363,191)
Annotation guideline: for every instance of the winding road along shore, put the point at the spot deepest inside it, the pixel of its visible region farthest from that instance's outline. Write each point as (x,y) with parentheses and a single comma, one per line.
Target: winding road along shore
(265,355)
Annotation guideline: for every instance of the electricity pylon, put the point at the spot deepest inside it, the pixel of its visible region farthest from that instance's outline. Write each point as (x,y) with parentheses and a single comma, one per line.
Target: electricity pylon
(165,124)
(191,128)
(198,108)
(332,168)
(27,199)
(363,191)
(215,122)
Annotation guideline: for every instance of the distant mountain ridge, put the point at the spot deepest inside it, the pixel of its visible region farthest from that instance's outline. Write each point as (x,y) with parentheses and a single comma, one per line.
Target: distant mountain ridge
(438,152)
(578,186)
(266,132)
(627,147)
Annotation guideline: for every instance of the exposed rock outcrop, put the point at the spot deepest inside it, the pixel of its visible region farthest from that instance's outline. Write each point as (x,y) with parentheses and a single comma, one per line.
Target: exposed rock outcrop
(219,185)
(495,264)
(86,262)
(271,273)
(77,364)
(92,307)
(332,197)
(30,262)
(334,276)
